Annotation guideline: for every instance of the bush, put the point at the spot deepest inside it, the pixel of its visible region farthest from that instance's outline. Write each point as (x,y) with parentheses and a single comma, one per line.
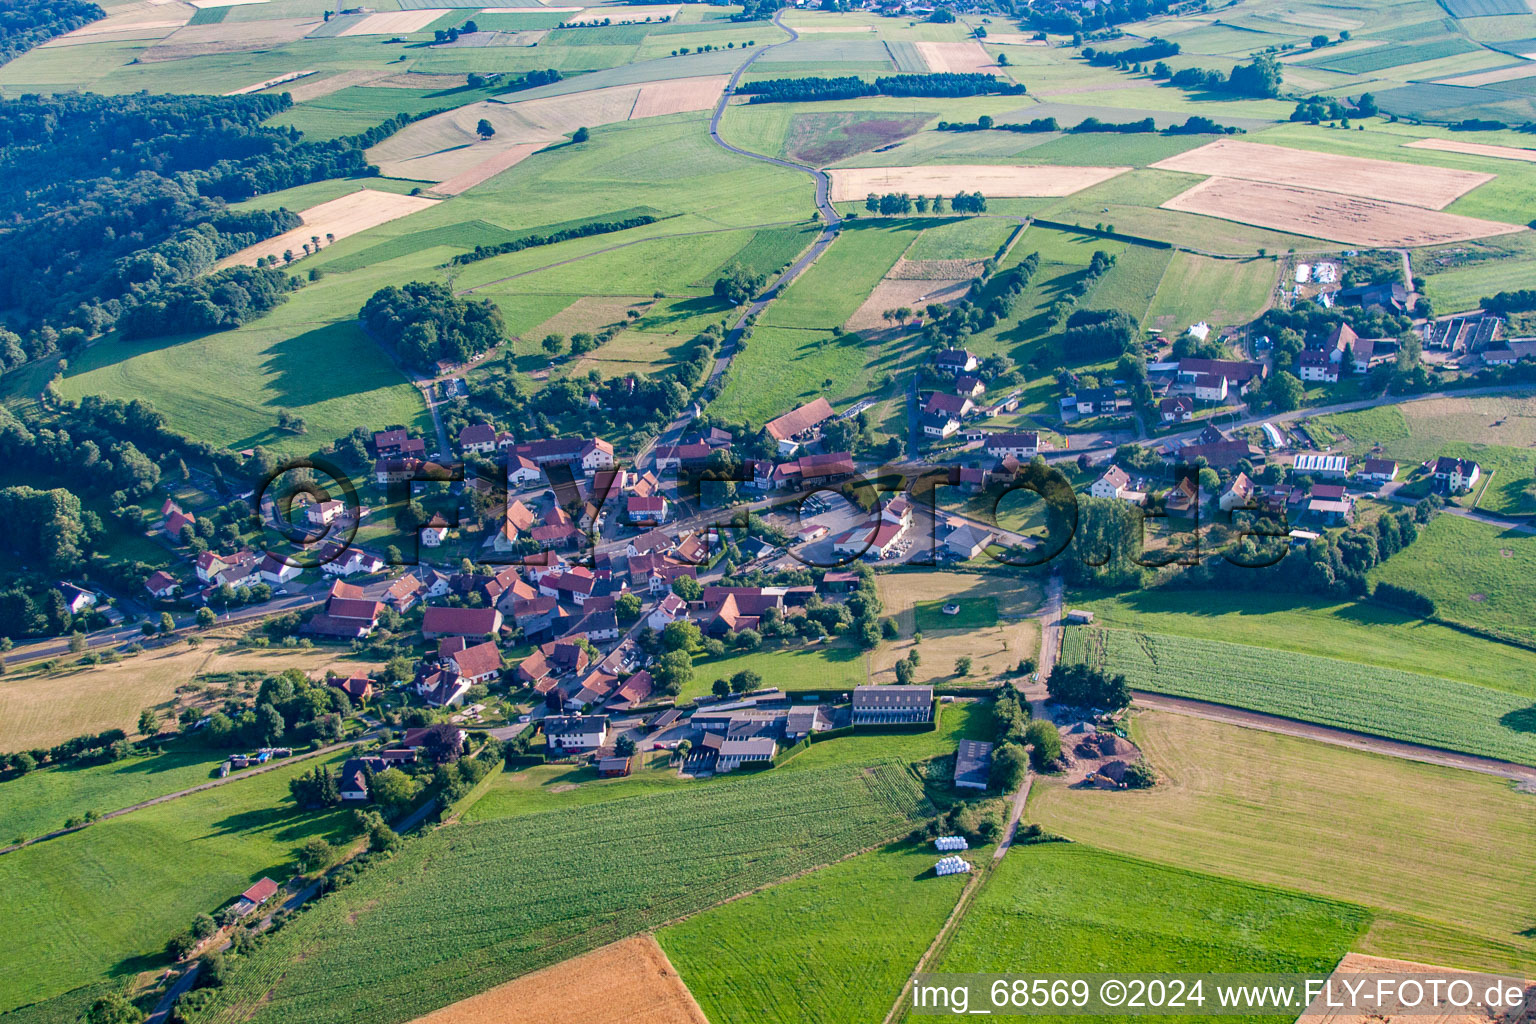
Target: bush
(1044,744)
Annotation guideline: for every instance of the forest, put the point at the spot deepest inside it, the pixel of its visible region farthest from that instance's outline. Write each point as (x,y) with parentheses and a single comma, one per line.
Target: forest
(28,23)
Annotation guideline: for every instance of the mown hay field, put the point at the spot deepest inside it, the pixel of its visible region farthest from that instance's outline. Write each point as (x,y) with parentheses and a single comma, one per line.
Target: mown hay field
(1399,705)
(1435,851)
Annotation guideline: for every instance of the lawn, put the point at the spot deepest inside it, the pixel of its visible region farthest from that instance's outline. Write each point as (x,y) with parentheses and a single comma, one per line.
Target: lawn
(1440,854)
(1385,702)
(830,948)
(1353,631)
(103,902)
(975,613)
(813,667)
(1490,585)
(473,905)
(1060,908)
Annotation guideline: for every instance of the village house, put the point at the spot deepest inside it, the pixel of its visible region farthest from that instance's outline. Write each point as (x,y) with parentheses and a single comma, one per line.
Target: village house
(1455,476)
(1331,504)
(391,443)
(892,705)
(358,688)
(1020,446)
(549,661)
(324,513)
(477,439)
(1378,470)
(954,361)
(1238,493)
(1243,375)
(575,734)
(1112,484)
(590,454)
(476,663)
(277,571)
(352,561)
(1177,409)
(173,520)
(1210,387)
(348,614)
(161,585)
(969,386)
(1183,498)
(435,532)
(650,511)
(1100,402)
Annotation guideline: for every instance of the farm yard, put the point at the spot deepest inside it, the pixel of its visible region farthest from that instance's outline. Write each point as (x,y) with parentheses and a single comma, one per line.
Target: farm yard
(1385,702)
(1415,843)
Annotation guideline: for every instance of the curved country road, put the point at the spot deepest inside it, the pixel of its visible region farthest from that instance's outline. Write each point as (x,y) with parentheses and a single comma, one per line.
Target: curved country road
(831,225)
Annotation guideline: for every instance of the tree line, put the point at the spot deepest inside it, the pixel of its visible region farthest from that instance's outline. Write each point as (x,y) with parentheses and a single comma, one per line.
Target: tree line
(894,204)
(601,227)
(847,87)
(1154,49)
(1260,79)
(1192,126)
(28,23)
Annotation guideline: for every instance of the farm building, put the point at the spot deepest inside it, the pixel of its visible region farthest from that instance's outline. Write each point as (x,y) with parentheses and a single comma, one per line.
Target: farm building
(973,764)
(892,705)
(1313,464)
(613,767)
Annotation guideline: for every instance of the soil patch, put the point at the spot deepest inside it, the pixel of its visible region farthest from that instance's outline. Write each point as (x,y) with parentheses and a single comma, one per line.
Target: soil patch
(957,58)
(823,138)
(628,982)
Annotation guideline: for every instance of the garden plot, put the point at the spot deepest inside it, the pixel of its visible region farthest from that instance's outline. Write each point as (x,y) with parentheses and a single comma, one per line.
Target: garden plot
(1412,184)
(996,181)
(1330,216)
(630,981)
(338,218)
(622,15)
(447,147)
(915,293)
(956,58)
(1476,148)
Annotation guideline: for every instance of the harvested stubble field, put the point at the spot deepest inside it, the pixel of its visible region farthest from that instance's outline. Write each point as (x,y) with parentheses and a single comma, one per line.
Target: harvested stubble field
(624,15)
(39,709)
(1412,184)
(628,982)
(1359,963)
(342,217)
(1330,216)
(915,293)
(1387,702)
(590,314)
(1418,843)
(387,23)
(472,888)
(447,148)
(956,58)
(998,181)
(487,169)
(229,37)
(291,76)
(1477,148)
(1508,74)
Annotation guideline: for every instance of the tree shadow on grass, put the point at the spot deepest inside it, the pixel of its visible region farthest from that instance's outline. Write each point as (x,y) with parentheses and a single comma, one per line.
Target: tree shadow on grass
(320,364)
(1523,720)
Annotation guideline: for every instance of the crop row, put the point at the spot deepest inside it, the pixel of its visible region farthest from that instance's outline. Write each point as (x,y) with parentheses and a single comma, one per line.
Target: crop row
(471,906)
(1329,691)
